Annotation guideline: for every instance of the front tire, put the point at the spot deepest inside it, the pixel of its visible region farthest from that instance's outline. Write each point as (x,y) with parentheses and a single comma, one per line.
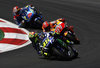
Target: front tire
(72,53)
(65,51)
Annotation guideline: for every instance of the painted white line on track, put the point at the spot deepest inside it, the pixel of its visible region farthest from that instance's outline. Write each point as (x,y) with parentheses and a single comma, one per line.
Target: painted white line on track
(9,23)
(16,35)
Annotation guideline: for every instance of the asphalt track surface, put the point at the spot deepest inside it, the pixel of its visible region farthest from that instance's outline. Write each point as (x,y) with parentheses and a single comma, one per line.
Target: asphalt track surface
(84,15)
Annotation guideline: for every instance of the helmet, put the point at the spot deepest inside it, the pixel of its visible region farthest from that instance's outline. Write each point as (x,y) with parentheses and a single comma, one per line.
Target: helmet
(61,19)
(15,9)
(46,26)
(31,34)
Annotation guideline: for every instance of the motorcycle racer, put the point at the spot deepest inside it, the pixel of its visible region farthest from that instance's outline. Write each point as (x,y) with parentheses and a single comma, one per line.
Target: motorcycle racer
(36,39)
(17,14)
(58,26)
(40,37)
(45,45)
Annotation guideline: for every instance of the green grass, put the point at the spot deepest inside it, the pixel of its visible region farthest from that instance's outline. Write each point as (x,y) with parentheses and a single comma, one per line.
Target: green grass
(1,34)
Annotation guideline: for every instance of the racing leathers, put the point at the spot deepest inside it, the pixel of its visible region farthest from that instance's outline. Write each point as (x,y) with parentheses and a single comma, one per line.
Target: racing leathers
(37,39)
(18,16)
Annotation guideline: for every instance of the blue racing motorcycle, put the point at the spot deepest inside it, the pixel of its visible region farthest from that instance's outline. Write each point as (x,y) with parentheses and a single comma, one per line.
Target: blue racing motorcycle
(31,18)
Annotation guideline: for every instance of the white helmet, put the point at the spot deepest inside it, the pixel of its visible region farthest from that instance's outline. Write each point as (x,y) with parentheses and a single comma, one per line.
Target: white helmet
(15,9)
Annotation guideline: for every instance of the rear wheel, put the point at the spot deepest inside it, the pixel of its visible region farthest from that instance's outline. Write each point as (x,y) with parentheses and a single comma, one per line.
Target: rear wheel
(24,25)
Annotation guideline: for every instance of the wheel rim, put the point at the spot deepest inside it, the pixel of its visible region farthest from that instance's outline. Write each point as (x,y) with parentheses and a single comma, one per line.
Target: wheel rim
(70,52)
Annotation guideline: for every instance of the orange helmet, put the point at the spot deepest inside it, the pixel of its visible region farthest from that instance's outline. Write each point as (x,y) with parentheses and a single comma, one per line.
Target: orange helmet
(46,26)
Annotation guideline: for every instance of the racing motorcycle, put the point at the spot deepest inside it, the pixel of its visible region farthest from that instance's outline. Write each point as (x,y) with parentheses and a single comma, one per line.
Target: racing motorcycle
(30,18)
(67,31)
(56,46)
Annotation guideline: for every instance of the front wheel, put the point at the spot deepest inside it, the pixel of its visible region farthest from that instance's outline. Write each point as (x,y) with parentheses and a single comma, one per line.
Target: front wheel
(24,25)
(72,37)
(65,51)
(72,53)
